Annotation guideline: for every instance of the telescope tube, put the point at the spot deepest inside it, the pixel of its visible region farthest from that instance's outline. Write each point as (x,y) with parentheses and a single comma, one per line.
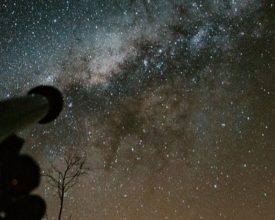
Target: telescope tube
(41,105)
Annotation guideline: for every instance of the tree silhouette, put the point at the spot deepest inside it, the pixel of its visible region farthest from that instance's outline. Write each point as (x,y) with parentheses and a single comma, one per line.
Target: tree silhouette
(65,179)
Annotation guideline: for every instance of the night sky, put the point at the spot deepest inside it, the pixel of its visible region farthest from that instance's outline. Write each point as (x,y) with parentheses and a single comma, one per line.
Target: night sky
(173,102)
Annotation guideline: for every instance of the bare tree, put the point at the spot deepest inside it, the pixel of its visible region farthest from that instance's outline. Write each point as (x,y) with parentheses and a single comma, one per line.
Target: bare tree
(65,179)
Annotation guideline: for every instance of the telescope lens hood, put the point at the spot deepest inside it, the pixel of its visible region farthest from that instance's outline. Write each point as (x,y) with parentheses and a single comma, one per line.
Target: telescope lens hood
(54,98)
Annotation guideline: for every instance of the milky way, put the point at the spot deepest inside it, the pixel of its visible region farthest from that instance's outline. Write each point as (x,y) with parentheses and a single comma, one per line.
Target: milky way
(173,102)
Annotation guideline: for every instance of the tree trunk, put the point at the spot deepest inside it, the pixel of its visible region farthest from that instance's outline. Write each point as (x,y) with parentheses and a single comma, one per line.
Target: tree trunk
(61,204)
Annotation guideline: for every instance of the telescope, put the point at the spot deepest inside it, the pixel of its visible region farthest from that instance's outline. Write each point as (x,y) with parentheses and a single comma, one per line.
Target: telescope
(20,174)
(42,105)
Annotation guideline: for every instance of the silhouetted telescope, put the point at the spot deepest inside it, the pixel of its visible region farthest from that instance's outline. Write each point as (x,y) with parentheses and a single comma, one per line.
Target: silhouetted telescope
(19,173)
(41,105)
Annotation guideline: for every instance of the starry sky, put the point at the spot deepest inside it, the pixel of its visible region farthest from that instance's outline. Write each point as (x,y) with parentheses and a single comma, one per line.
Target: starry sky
(172,102)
